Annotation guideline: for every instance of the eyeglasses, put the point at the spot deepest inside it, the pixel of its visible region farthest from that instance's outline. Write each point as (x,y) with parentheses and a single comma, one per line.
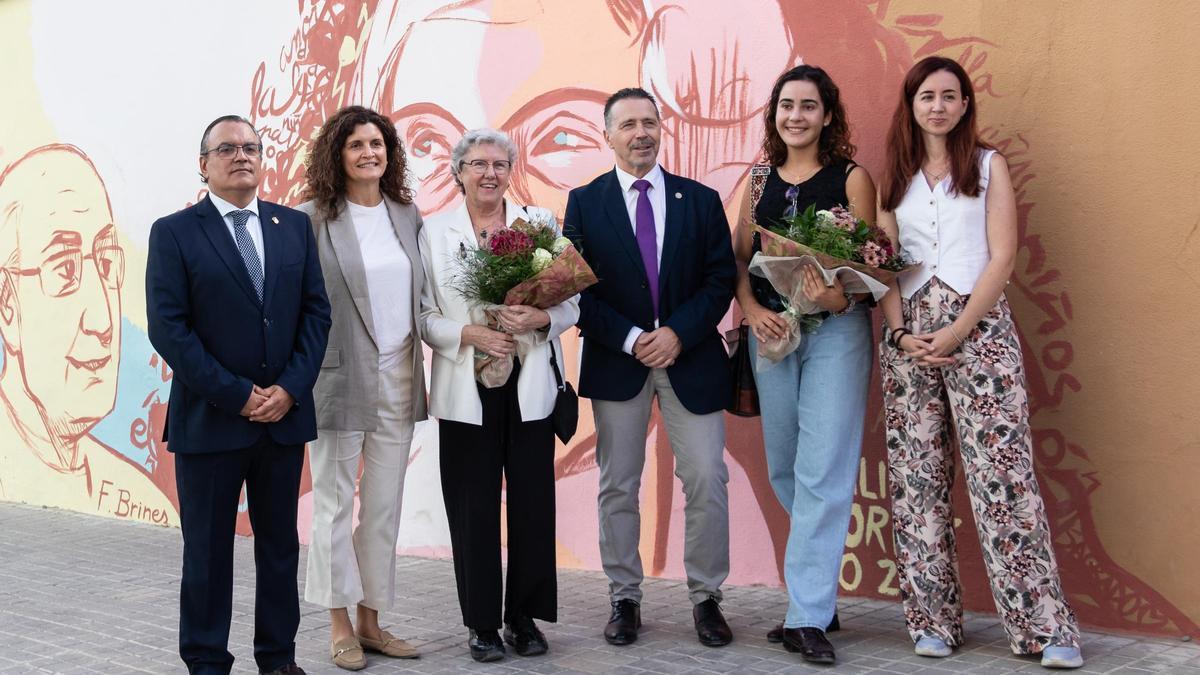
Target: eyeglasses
(61,273)
(480,166)
(229,150)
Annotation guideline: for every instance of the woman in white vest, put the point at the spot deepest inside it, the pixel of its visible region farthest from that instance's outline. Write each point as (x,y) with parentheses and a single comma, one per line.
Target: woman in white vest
(371,390)
(951,364)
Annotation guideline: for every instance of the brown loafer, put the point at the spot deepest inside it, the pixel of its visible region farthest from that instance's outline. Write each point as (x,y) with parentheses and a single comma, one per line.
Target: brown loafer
(389,645)
(348,654)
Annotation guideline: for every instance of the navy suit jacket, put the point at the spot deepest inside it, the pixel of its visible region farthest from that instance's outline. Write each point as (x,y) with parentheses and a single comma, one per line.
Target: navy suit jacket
(696,278)
(206,321)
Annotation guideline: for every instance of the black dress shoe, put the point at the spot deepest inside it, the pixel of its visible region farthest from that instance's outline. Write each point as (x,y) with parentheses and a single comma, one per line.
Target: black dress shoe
(710,624)
(623,625)
(810,643)
(775,635)
(289,669)
(525,638)
(485,645)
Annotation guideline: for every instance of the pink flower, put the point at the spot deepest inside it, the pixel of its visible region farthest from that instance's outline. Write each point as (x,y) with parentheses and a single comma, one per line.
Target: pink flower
(872,254)
(843,219)
(510,242)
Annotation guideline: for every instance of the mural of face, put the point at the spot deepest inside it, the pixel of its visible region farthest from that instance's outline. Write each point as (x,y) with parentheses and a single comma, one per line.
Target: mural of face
(634,134)
(514,69)
(939,103)
(364,155)
(234,179)
(800,115)
(61,304)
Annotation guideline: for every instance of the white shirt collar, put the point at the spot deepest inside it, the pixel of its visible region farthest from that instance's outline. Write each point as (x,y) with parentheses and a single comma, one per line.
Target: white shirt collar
(224,207)
(655,176)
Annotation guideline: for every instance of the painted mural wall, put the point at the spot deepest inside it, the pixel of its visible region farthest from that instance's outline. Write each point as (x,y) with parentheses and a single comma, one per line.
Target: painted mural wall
(1092,104)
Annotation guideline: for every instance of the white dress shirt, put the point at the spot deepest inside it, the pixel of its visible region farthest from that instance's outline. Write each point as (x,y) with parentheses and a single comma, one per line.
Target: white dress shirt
(389,278)
(253,224)
(658,202)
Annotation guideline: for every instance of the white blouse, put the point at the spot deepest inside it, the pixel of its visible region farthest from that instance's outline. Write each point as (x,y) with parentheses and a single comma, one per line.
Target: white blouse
(946,232)
(389,279)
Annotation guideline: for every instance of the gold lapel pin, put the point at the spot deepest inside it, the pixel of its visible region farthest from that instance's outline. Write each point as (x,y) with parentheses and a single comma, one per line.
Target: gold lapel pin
(274,220)
(678,195)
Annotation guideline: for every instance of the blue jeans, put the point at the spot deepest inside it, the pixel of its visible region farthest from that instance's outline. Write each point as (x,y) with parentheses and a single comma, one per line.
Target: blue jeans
(813,403)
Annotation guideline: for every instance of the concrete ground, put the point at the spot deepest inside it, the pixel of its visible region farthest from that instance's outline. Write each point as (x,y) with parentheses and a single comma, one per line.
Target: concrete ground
(81,594)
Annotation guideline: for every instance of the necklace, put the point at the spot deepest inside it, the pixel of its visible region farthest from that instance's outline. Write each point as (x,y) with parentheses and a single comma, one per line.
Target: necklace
(936,178)
(802,178)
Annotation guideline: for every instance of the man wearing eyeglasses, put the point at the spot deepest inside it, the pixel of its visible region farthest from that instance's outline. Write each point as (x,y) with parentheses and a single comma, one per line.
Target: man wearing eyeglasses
(236,306)
(60,320)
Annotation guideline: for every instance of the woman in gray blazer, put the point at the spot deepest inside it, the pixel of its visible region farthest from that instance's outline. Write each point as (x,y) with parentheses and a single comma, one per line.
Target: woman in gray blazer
(371,390)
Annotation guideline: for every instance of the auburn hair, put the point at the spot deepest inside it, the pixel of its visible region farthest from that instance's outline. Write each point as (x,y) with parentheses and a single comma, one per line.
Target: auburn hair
(834,143)
(906,146)
(325,178)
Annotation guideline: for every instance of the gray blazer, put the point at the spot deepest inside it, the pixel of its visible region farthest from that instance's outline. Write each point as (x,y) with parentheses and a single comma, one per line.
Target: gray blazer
(347,390)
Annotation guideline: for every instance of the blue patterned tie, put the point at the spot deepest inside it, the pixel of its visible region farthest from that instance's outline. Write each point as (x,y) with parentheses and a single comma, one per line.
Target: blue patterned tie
(246,247)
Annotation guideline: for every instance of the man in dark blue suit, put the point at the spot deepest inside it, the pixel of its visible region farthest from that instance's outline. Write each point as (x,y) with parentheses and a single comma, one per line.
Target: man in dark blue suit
(660,246)
(236,305)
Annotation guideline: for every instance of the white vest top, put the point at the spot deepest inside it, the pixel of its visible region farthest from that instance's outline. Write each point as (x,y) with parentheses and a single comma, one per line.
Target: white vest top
(946,232)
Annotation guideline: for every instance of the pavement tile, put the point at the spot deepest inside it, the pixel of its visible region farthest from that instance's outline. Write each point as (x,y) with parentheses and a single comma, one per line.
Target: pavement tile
(114,589)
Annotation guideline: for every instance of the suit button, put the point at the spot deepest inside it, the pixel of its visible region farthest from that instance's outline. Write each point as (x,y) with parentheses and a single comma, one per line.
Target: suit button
(266,322)
(643,285)
(262,365)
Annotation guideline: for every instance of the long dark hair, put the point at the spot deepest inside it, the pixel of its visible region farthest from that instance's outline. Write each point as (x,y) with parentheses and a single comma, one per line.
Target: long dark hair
(834,143)
(326,176)
(906,146)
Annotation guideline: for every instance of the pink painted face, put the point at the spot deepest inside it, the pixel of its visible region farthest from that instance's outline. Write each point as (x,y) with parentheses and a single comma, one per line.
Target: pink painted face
(524,74)
(364,155)
(939,104)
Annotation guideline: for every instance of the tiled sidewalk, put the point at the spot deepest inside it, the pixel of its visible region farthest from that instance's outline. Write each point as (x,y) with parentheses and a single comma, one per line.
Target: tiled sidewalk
(81,594)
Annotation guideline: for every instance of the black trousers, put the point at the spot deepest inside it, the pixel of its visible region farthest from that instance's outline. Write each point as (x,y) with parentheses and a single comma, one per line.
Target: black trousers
(474,459)
(210,487)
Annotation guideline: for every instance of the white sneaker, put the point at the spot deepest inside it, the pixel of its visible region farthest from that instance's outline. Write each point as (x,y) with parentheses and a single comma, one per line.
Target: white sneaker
(1056,656)
(935,648)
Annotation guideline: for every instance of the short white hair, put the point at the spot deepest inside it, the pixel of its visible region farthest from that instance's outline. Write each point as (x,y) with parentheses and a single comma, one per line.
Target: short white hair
(476,137)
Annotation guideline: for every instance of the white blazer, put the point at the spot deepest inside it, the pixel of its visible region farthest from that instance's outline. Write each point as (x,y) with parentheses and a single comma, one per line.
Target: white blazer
(444,312)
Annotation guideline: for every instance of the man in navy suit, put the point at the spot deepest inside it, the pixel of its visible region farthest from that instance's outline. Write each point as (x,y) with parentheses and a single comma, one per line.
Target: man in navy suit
(660,246)
(236,305)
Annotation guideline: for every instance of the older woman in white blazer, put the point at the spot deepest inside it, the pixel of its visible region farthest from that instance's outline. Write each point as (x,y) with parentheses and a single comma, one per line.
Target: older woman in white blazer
(487,435)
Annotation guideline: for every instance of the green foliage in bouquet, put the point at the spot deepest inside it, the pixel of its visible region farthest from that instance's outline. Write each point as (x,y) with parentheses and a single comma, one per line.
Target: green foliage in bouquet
(508,257)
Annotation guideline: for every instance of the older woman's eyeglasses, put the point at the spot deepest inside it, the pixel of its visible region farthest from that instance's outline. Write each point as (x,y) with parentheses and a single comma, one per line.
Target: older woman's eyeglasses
(480,166)
(229,150)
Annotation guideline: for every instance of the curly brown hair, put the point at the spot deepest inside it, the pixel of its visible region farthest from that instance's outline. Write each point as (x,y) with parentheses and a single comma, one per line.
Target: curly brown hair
(834,143)
(325,179)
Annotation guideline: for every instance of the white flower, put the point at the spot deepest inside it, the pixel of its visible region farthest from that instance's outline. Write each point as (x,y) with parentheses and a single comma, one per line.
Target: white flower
(560,245)
(541,259)
(826,218)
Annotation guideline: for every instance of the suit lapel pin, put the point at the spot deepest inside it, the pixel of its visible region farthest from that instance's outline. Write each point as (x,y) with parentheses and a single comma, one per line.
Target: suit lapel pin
(274,220)
(678,195)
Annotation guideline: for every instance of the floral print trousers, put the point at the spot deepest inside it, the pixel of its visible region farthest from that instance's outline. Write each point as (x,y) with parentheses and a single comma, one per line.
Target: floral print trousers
(982,399)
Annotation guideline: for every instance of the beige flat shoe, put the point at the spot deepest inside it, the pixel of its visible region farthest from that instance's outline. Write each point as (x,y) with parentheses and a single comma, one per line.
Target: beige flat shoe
(348,654)
(389,645)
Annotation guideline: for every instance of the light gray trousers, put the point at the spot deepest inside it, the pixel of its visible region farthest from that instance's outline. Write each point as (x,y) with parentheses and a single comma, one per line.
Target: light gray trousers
(698,442)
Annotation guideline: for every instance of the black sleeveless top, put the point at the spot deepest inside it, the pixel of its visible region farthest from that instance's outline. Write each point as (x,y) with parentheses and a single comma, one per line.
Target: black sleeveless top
(825,189)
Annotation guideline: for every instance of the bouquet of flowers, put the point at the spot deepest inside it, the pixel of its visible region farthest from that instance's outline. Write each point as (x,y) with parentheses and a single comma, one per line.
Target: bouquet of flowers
(838,245)
(525,264)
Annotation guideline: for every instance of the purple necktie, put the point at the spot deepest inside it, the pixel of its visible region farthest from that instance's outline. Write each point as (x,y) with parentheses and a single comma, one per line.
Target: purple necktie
(647,240)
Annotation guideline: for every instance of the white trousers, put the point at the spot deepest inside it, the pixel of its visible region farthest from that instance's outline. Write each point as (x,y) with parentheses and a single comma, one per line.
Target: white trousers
(350,564)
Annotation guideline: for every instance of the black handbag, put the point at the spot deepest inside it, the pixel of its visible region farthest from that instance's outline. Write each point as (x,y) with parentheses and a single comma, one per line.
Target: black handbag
(565,418)
(744,401)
